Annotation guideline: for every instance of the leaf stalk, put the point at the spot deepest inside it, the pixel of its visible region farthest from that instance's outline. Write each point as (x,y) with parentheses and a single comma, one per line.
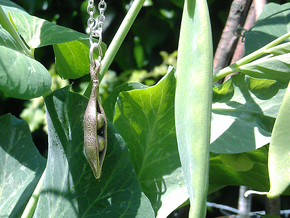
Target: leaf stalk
(120,36)
(235,66)
(31,205)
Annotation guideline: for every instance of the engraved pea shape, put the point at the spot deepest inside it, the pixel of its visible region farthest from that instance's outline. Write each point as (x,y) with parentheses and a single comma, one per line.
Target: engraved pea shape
(95,126)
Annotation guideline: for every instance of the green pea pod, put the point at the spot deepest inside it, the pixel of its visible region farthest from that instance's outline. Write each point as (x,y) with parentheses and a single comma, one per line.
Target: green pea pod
(193,101)
(279,150)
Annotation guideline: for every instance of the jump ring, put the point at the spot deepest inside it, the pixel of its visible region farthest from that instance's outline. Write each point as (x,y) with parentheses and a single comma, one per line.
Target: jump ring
(102,6)
(91,23)
(91,54)
(91,10)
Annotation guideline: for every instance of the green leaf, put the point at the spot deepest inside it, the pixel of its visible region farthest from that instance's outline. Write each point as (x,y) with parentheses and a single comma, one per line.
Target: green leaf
(145,119)
(194,100)
(8,24)
(276,68)
(109,103)
(69,186)
(261,98)
(72,58)
(8,41)
(222,174)
(238,162)
(240,94)
(11,6)
(39,32)
(71,47)
(22,77)
(268,27)
(21,166)
(178,3)
(280,49)
(243,113)
(279,162)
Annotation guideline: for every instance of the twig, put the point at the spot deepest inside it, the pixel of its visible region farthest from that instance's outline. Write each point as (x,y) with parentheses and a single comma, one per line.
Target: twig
(244,203)
(259,5)
(235,211)
(273,206)
(228,41)
(240,49)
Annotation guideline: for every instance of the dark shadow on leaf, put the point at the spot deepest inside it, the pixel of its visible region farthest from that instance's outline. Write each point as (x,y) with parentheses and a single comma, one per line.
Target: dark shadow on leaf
(244,116)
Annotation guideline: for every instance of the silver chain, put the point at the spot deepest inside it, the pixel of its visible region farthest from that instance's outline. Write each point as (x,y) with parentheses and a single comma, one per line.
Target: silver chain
(96,26)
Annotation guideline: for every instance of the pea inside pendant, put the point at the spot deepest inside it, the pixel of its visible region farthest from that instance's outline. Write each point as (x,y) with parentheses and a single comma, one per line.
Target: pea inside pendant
(95,125)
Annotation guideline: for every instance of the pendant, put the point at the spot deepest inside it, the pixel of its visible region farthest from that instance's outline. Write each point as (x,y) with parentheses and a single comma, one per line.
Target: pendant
(95,126)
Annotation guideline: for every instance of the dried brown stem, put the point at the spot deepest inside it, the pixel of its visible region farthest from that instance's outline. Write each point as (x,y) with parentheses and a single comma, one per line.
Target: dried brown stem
(273,206)
(228,42)
(240,48)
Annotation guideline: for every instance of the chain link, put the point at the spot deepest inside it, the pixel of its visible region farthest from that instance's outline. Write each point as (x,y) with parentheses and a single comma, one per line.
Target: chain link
(96,26)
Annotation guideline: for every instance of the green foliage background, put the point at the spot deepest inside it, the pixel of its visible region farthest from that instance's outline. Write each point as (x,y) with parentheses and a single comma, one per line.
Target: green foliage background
(144,56)
(149,47)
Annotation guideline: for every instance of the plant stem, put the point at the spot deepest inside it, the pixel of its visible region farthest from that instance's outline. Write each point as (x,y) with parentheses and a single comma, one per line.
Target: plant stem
(6,24)
(273,206)
(31,205)
(244,203)
(235,66)
(120,35)
(228,41)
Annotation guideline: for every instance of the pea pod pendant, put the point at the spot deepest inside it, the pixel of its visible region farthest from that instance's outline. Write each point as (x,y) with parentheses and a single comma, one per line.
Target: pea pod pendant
(95,126)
